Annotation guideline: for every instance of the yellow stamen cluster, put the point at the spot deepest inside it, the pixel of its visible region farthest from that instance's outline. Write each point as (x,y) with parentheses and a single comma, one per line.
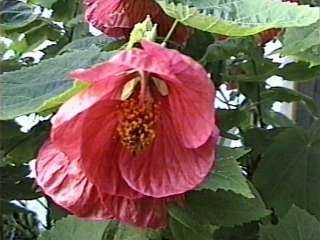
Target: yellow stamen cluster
(137,124)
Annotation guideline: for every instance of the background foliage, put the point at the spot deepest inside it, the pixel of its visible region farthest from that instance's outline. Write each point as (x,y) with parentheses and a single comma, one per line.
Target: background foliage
(266,188)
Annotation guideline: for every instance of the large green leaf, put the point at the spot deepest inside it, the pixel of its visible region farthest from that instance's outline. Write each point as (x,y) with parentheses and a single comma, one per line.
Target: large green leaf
(228,174)
(239,17)
(124,232)
(298,224)
(224,208)
(184,226)
(303,43)
(27,89)
(301,38)
(71,228)
(15,14)
(289,171)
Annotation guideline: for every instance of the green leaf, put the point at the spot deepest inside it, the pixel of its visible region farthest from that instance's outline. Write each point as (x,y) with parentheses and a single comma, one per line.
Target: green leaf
(239,17)
(15,185)
(301,38)
(87,42)
(27,89)
(289,171)
(17,147)
(125,232)
(224,208)
(298,224)
(223,50)
(230,118)
(303,43)
(44,3)
(248,231)
(291,72)
(310,55)
(281,94)
(15,14)
(227,174)
(71,228)
(55,102)
(184,226)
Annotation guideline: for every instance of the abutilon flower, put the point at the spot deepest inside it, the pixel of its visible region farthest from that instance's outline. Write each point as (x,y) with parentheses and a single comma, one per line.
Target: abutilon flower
(116,18)
(142,135)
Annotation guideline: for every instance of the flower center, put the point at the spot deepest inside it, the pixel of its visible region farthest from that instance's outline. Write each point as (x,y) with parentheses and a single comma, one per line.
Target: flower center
(137,126)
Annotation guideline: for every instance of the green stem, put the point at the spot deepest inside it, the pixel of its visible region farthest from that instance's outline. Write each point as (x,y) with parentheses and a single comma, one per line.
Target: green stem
(166,39)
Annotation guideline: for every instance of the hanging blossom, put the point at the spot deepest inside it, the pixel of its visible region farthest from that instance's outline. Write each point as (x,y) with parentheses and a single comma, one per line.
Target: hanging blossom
(116,18)
(142,135)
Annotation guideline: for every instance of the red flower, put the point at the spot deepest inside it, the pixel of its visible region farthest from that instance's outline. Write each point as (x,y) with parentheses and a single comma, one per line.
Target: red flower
(116,18)
(143,134)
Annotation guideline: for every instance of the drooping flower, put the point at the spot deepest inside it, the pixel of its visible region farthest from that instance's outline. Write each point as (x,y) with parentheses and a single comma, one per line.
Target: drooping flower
(116,18)
(141,136)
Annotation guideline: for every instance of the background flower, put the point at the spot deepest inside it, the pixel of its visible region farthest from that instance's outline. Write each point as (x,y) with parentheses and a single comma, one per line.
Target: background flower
(116,18)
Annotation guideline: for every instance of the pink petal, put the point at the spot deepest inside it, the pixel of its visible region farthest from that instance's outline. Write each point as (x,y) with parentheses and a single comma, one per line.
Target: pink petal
(67,123)
(67,185)
(116,18)
(112,75)
(191,93)
(144,212)
(100,150)
(167,168)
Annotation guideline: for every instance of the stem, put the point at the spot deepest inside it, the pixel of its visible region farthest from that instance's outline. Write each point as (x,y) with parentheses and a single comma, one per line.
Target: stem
(259,109)
(166,39)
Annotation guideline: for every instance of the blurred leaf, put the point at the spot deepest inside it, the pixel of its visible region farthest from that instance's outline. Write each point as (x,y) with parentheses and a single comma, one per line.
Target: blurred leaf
(227,174)
(281,94)
(230,118)
(184,226)
(289,171)
(232,47)
(15,14)
(44,3)
(303,43)
(65,10)
(276,119)
(298,224)
(28,88)
(17,147)
(87,42)
(239,17)
(290,72)
(71,228)
(15,185)
(310,55)
(248,231)
(125,232)
(259,139)
(224,208)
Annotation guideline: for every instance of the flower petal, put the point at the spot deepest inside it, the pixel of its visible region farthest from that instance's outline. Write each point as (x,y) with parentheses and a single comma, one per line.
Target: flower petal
(167,168)
(191,93)
(143,212)
(116,18)
(100,150)
(60,179)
